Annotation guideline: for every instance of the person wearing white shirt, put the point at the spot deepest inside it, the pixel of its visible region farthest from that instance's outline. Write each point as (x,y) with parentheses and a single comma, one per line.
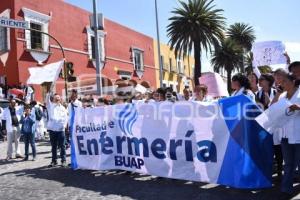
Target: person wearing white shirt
(264,98)
(10,121)
(74,103)
(290,142)
(57,123)
(1,131)
(241,86)
(254,82)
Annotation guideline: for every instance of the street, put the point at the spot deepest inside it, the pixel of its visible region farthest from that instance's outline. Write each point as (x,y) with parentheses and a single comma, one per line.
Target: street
(34,180)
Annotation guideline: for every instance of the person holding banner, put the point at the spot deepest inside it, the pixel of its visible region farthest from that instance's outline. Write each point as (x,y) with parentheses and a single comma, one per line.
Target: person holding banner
(74,103)
(290,142)
(241,85)
(159,95)
(264,98)
(57,122)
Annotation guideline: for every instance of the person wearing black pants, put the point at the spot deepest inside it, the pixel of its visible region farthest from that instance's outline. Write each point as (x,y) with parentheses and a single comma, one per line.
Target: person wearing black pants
(57,123)
(57,139)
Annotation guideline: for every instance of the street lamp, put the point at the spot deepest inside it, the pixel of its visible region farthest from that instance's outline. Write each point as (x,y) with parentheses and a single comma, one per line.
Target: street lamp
(158,47)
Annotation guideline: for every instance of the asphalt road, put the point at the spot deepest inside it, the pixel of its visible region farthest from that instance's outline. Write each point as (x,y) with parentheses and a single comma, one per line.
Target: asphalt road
(34,180)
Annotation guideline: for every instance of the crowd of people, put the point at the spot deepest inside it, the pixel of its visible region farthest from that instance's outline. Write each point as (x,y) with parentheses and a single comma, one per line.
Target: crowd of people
(32,120)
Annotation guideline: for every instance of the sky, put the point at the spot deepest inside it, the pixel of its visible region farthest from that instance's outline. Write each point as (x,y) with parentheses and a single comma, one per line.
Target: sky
(271,19)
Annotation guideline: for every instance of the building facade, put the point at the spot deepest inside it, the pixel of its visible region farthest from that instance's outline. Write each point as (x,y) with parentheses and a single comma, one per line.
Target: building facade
(177,71)
(124,53)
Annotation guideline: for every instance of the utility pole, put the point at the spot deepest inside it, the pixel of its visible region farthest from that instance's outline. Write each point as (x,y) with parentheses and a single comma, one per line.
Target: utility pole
(158,47)
(97,56)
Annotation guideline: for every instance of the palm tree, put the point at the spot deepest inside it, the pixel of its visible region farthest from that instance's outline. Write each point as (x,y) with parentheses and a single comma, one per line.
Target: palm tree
(196,26)
(243,34)
(227,57)
(248,62)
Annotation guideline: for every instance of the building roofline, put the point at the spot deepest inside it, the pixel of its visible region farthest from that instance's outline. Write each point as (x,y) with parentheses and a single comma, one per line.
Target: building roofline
(109,20)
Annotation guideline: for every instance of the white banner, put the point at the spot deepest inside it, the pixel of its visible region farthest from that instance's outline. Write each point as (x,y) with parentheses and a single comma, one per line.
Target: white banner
(185,140)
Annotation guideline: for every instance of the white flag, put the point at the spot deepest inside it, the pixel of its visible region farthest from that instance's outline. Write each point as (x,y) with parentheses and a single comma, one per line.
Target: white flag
(47,73)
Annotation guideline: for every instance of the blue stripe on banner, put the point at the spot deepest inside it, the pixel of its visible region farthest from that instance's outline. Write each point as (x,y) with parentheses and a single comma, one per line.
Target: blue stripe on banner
(249,155)
(73,153)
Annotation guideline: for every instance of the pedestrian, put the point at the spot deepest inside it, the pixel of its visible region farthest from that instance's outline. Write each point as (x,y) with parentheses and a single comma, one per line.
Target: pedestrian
(254,82)
(186,94)
(241,85)
(37,111)
(294,68)
(290,142)
(10,123)
(266,93)
(201,93)
(57,122)
(28,131)
(74,103)
(264,98)
(159,95)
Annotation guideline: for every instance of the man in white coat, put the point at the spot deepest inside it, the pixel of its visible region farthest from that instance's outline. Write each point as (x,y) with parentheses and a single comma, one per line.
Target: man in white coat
(58,119)
(10,121)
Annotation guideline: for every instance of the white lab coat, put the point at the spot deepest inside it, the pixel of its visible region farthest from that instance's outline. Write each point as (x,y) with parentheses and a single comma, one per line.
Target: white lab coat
(291,129)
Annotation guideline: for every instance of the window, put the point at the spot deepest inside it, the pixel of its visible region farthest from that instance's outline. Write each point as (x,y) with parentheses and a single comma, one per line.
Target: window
(138,59)
(180,66)
(38,21)
(93,47)
(36,38)
(3,39)
(171,66)
(91,44)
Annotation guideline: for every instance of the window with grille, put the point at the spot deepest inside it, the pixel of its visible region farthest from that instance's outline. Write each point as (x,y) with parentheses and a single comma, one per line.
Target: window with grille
(36,37)
(93,47)
(138,59)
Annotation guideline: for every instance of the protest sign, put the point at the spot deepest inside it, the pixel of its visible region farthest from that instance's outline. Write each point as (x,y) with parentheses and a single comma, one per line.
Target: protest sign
(268,53)
(215,83)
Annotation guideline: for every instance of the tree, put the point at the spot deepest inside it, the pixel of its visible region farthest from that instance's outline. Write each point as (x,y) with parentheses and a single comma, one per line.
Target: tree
(227,57)
(196,26)
(243,35)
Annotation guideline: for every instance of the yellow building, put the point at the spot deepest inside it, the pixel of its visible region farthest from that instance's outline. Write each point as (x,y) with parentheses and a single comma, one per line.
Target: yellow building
(177,72)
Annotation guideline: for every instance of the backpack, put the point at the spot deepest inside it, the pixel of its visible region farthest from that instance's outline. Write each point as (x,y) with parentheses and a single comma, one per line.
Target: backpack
(38,114)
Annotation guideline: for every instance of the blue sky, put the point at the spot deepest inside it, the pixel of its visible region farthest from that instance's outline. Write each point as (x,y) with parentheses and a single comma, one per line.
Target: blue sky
(271,19)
